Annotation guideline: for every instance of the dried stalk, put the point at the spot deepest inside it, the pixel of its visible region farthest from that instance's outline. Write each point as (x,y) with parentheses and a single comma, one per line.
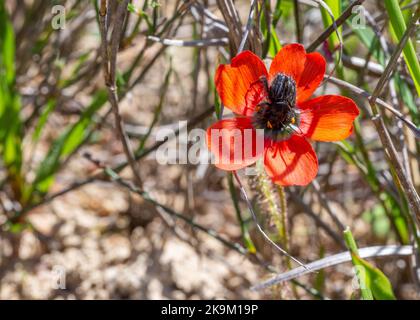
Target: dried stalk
(233,23)
(110,65)
(413,198)
(340,20)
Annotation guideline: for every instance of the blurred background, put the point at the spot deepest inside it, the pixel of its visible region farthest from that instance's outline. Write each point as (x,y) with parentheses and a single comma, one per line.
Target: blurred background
(76,223)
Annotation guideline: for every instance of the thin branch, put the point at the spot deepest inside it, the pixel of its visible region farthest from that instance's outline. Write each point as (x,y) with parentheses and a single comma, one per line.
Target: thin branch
(368,252)
(109,64)
(413,198)
(146,196)
(364,94)
(191,43)
(212,233)
(395,56)
(297,21)
(335,26)
(103,26)
(211,21)
(325,203)
(340,20)
(320,223)
(248,26)
(363,65)
(101,175)
(233,22)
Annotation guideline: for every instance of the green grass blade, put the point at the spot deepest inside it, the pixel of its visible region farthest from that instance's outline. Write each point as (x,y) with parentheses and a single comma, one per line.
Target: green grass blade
(69,141)
(48,109)
(158,110)
(398,25)
(244,228)
(7,46)
(10,106)
(271,43)
(370,41)
(334,39)
(336,8)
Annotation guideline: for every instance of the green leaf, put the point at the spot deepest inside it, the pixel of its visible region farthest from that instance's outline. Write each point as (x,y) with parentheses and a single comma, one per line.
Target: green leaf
(271,42)
(155,4)
(335,6)
(217,103)
(244,227)
(408,99)
(17,228)
(376,280)
(398,217)
(319,282)
(10,106)
(141,13)
(69,141)
(284,9)
(334,39)
(378,219)
(370,40)
(7,46)
(373,282)
(50,106)
(158,109)
(399,27)
(275,45)
(277,13)
(75,72)
(132,8)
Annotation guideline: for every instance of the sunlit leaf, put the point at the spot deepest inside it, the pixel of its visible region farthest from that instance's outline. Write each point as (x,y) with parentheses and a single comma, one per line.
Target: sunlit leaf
(372,282)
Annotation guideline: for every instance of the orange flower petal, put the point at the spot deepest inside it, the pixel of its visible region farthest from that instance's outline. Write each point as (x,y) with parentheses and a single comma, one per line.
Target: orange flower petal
(311,77)
(328,118)
(306,69)
(234,143)
(238,85)
(291,162)
(290,60)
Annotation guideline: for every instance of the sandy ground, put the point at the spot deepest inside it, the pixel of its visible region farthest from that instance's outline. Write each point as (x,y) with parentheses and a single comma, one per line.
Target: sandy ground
(88,252)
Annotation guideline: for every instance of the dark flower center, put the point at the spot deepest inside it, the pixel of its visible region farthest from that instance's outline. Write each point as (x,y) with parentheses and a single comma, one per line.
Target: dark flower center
(277,114)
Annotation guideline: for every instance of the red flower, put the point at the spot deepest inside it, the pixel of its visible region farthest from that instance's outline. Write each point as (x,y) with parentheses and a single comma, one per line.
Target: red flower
(277,102)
